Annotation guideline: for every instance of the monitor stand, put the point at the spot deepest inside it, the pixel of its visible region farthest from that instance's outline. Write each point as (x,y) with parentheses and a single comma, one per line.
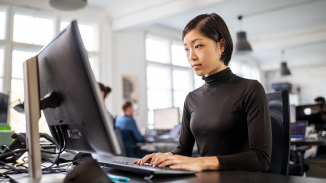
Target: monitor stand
(33,114)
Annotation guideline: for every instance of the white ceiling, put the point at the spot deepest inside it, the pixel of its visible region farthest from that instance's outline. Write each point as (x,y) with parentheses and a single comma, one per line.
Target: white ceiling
(118,8)
(297,26)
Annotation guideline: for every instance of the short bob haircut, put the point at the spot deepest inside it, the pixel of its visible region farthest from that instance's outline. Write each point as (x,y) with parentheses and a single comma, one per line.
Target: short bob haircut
(213,27)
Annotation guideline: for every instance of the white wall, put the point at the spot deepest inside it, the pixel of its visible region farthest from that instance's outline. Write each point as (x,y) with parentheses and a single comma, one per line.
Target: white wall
(310,79)
(129,58)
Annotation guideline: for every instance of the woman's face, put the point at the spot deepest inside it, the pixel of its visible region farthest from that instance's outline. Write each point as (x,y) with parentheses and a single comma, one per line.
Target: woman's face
(203,53)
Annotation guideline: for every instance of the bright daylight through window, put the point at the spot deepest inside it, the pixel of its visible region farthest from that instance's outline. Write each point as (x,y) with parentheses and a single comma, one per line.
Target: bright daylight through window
(30,32)
(169,76)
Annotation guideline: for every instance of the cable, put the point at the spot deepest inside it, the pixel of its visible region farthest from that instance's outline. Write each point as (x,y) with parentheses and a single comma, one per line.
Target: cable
(12,152)
(64,139)
(61,149)
(46,170)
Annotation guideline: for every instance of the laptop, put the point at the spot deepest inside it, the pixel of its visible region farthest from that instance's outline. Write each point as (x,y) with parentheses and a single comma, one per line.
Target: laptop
(298,130)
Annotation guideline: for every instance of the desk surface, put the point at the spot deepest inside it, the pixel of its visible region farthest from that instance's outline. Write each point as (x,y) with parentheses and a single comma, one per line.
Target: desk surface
(309,142)
(211,176)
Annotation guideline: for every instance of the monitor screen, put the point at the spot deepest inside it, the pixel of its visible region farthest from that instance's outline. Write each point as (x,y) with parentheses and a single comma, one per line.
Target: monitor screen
(298,129)
(311,113)
(4,98)
(166,118)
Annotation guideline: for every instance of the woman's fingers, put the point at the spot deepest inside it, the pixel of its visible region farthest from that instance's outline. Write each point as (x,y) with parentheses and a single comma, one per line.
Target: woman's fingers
(169,162)
(187,166)
(154,158)
(135,162)
(145,159)
(158,161)
(181,166)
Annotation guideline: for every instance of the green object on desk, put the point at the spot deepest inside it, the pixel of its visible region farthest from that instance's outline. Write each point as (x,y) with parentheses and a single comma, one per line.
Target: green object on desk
(118,178)
(5,127)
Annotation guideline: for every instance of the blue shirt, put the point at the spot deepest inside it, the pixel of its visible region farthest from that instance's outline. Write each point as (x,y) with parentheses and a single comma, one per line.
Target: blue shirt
(130,134)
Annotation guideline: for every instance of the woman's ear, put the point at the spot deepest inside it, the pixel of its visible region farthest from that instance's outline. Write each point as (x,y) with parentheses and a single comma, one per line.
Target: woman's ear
(222,46)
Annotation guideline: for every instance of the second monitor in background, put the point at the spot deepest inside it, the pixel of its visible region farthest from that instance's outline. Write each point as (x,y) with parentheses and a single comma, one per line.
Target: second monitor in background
(4,108)
(165,119)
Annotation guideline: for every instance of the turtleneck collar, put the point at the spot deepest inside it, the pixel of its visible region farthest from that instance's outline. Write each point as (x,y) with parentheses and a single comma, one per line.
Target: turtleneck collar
(218,78)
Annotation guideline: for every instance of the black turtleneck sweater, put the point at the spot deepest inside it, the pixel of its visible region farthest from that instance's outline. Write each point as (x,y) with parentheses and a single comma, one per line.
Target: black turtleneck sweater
(229,118)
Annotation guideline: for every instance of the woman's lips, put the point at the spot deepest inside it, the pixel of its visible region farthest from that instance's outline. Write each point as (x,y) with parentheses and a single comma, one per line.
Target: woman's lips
(196,66)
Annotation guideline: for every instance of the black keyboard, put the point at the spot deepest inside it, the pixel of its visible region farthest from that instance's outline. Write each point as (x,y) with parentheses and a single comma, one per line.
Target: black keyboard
(146,169)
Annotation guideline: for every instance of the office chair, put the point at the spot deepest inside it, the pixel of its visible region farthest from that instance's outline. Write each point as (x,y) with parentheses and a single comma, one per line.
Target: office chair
(279,109)
(120,140)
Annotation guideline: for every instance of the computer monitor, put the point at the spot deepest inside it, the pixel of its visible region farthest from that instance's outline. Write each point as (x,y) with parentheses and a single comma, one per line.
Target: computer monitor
(314,114)
(298,129)
(4,106)
(59,80)
(165,119)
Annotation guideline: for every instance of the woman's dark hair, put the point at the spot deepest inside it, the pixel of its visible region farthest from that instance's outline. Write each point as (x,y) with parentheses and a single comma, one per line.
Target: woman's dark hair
(105,89)
(126,105)
(213,27)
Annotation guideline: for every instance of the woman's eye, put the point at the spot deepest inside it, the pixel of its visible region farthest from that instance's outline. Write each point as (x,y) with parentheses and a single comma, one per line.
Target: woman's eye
(186,49)
(198,46)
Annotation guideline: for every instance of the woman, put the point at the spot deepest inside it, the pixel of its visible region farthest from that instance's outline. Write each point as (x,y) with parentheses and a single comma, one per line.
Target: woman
(105,91)
(228,117)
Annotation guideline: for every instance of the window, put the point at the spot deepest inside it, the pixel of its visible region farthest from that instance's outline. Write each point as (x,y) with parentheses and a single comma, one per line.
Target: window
(182,84)
(245,70)
(2,24)
(157,49)
(32,30)
(1,68)
(17,120)
(169,76)
(178,54)
(93,61)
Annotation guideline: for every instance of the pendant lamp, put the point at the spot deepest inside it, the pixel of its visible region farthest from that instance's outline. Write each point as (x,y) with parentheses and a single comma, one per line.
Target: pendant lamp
(68,5)
(242,45)
(284,68)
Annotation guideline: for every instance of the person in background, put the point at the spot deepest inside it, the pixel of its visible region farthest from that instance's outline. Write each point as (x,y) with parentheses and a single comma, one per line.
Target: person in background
(130,133)
(320,100)
(321,150)
(105,91)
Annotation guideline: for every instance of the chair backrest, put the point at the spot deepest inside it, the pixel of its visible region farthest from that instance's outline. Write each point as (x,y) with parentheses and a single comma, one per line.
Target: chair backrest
(120,140)
(279,109)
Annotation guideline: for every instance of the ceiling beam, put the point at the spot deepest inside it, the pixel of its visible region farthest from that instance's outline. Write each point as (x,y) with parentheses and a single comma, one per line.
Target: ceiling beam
(150,15)
(289,41)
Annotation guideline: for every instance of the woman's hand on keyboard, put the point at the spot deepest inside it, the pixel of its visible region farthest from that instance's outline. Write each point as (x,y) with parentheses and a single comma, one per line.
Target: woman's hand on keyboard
(151,158)
(187,163)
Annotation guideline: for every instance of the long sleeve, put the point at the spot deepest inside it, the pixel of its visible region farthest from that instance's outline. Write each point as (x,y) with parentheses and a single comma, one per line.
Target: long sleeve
(133,128)
(257,158)
(186,140)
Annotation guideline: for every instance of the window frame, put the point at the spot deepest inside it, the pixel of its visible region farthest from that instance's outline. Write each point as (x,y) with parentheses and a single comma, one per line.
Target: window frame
(9,45)
(169,65)
(33,13)
(250,64)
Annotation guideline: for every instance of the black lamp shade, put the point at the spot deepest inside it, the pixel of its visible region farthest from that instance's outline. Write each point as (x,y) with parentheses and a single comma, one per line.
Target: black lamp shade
(68,4)
(284,69)
(242,45)
(19,108)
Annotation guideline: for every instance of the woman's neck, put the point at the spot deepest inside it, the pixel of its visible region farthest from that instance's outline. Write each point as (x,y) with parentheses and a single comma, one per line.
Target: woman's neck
(221,68)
